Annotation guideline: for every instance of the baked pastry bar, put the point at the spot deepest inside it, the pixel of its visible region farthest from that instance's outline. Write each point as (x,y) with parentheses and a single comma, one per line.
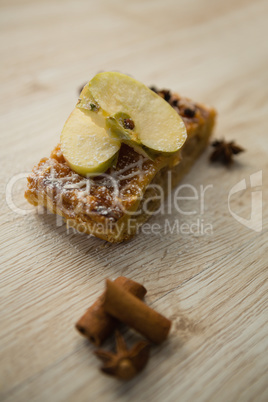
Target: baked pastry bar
(113,206)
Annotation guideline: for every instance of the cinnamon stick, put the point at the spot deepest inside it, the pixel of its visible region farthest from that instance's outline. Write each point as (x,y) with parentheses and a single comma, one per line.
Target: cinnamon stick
(134,313)
(96,324)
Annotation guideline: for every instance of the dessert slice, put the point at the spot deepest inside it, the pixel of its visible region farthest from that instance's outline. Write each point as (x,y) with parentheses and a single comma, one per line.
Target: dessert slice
(115,203)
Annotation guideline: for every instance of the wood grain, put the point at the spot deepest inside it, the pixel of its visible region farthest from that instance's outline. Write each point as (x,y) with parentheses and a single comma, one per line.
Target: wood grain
(214,286)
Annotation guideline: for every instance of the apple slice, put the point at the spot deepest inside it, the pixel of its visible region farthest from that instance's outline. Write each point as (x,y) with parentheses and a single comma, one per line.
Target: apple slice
(116,129)
(86,146)
(153,122)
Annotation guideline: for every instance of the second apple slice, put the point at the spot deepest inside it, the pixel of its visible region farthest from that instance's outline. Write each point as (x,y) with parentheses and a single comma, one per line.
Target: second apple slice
(86,146)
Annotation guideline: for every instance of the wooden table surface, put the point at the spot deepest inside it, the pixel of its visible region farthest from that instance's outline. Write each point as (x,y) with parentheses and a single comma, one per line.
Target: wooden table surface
(212,285)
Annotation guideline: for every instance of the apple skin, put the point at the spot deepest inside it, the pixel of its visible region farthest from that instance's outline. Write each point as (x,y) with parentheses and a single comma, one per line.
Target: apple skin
(87,172)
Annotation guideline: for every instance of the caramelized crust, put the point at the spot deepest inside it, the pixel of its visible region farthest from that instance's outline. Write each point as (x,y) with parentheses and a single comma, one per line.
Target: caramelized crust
(103,205)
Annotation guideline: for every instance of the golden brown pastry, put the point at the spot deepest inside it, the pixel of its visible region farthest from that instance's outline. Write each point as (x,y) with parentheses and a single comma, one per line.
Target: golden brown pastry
(105,205)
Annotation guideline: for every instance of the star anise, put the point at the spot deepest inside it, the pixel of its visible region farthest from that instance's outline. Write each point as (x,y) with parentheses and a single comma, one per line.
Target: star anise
(125,363)
(224,151)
